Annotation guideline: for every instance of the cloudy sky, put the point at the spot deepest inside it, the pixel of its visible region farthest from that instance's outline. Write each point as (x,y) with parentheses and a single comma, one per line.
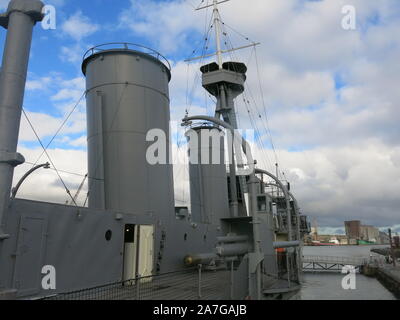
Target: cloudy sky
(330,96)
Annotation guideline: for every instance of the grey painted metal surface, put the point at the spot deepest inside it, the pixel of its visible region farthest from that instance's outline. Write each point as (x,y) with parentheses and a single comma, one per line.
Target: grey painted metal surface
(286,244)
(20,18)
(127,95)
(208,177)
(69,238)
(226,82)
(287,198)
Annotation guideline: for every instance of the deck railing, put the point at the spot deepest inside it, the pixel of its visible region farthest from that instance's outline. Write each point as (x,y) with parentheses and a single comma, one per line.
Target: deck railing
(189,284)
(196,283)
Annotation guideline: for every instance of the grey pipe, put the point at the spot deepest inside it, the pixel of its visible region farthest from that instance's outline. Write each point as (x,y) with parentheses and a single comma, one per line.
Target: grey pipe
(233,249)
(287,198)
(200,258)
(245,144)
(232,239)
(286,244)
(19,19)
(26,175)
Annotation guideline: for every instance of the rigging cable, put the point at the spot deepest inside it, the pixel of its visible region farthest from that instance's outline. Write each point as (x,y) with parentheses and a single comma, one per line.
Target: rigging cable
(265,125)
(61,127)
(247,104)
(48,156)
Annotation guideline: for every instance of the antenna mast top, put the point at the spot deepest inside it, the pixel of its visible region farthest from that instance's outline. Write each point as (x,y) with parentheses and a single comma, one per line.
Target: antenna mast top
(217,28)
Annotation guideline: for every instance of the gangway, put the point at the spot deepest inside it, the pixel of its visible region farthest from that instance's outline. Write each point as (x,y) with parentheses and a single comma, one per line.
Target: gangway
(331,263)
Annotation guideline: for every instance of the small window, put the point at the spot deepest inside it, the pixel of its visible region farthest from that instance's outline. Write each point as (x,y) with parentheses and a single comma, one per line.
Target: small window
(262,203)
(129,233)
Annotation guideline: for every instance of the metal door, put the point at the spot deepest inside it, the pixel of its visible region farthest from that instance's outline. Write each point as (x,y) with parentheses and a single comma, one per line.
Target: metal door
(30,255)
(146,250)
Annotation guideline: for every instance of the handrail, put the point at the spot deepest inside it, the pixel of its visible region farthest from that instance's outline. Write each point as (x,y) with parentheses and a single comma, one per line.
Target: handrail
(333,259)
(127,46)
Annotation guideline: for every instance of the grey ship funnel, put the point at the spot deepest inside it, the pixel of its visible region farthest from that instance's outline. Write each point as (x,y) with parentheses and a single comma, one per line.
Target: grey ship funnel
(20,18)
(208,176)
(127,95)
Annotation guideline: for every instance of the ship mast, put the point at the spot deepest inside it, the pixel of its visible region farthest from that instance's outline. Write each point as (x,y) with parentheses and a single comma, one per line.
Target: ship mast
(217,28)
(226,81)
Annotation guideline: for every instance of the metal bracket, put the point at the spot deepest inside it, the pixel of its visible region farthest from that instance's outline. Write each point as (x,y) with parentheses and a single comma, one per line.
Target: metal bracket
(13,159)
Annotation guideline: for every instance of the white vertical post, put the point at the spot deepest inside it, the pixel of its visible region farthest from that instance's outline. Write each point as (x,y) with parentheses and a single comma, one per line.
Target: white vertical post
(217,34)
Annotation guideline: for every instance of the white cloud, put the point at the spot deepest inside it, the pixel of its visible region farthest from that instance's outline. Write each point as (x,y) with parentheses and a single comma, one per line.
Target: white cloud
(56,3)
(39,84)
(341,183)
(46,126)
(71,161)
(79,26)
(72,54)
(71,90)
(167,23)
(80,142)
(64,95)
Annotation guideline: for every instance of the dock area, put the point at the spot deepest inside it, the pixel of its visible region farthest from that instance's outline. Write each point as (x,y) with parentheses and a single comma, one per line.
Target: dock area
(386,252)
(387,273)
(389,276)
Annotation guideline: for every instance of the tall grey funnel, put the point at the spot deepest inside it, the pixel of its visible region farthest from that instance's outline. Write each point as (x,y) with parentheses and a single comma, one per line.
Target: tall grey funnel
(19,19)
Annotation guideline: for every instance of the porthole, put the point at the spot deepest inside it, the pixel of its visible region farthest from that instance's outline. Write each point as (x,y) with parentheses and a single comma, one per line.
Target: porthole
(108,235)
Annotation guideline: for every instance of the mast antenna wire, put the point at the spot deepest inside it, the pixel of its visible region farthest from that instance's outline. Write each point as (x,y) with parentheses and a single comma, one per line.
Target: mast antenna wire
(265,125)
(60,128)
(206,39)
(264,104)
(247,103)
(48,156)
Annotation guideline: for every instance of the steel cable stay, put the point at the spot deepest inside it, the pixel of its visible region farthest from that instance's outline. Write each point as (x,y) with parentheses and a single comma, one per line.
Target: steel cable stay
(190,95)
(61,127)
(265,105)
(255,126)
(247,102)
(48,156)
